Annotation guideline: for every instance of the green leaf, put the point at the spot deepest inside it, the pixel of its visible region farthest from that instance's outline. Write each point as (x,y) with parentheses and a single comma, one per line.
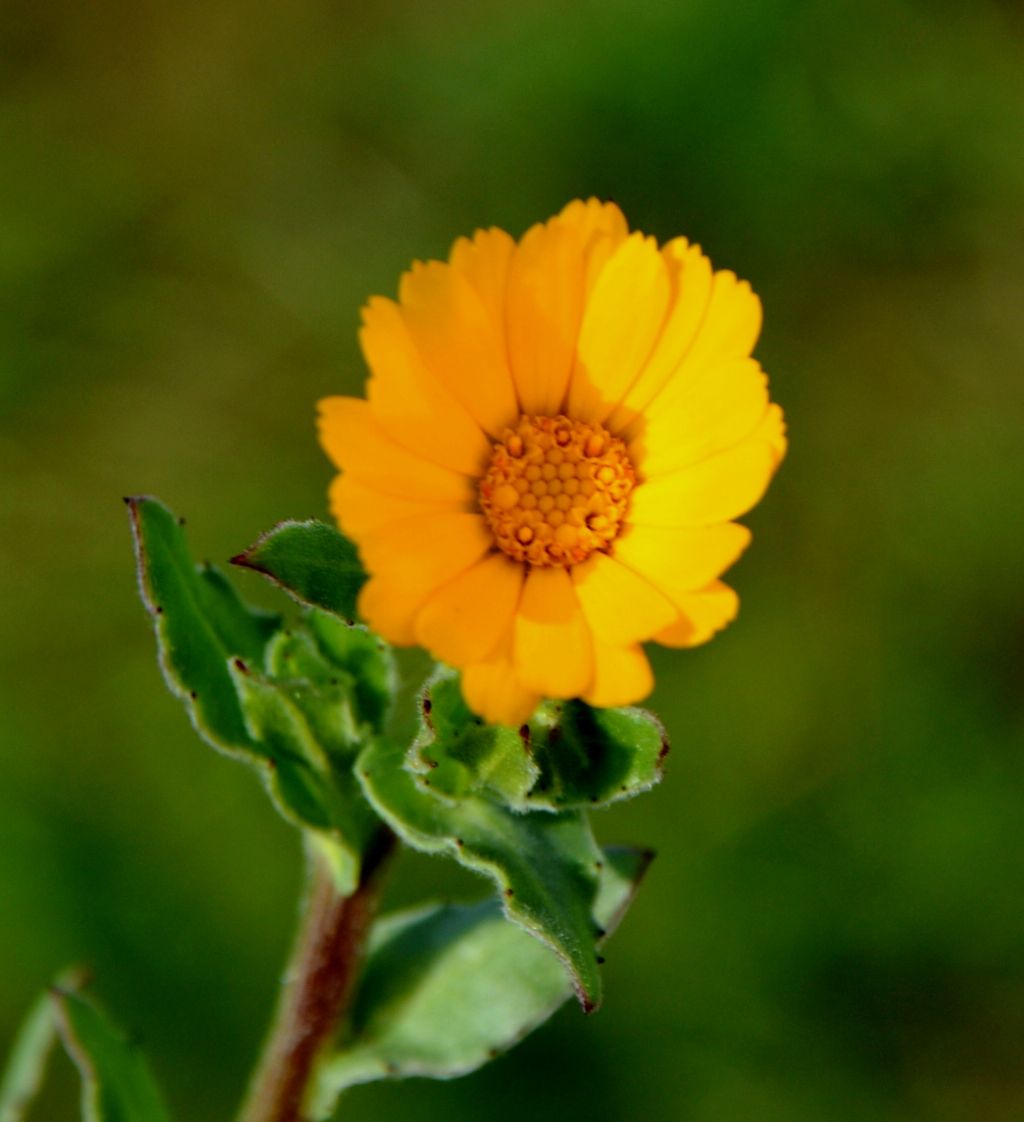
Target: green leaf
(200,624)
(462,755)
(117,1084)
(545,865)
(312,562)
(592,756)
(26,1064)
(446,988)
(332,659)
(319,794)
(568,754)
(302,725)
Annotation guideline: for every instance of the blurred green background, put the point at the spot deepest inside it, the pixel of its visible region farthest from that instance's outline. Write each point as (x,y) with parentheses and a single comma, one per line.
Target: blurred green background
(195,199)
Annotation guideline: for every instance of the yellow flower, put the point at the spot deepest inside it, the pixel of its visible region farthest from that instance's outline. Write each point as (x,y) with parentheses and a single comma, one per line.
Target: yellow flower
(556,437)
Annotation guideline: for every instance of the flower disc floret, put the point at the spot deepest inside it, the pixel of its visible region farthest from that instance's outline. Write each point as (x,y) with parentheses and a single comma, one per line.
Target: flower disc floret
(557,490)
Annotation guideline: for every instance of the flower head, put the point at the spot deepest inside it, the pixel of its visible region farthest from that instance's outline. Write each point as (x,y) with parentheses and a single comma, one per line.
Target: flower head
(557,435)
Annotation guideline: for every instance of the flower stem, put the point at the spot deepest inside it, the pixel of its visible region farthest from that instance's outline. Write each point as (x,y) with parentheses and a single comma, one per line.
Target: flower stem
(317,987)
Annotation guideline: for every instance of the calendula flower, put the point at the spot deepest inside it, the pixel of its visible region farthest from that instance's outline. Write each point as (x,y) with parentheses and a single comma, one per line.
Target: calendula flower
(557,436)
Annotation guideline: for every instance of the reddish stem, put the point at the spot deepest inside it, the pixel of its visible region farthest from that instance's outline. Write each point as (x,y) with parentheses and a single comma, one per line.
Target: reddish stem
(318,985)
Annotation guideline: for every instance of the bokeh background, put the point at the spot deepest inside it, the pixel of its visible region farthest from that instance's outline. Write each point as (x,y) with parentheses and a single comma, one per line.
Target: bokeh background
(195,198)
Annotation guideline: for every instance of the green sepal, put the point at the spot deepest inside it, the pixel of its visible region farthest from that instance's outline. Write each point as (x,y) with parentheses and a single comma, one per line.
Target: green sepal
(117,1085)
(312,562)
(545,865)
(567,755)
(26,1062)
(447,988)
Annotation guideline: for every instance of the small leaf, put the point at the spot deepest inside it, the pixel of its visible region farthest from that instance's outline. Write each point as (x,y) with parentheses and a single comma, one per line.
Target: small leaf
(568,755)
(594,757)
(338,659)
(545,865)
(312,562)
(462,755)
(445,989)
(200,623)
(26,1064)
(117,1084)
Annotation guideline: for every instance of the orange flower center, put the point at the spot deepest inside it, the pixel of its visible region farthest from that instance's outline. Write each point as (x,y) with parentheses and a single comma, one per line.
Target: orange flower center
(556,490)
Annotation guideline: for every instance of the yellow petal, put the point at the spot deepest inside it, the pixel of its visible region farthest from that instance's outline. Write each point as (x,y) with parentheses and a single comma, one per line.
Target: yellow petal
(360,510)
(620,606)
(465,621)
(411,560)
(773,430)
(701,416)
(428,549)
(409,403)
(731,325)
(483,260)
(728,331)
(702,614)
(602,227)
(715,489)
(677,559)
(390,609)
(493,691)
(622,676)
(553,653)
(459,342)
(352,438)
(690,276)
(545,302)
(623,318)
(593,217)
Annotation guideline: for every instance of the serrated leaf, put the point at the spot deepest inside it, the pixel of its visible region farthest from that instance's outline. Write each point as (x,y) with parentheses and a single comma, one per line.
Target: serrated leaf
(445,988)
(545,865)
(26,1064)
(568,754)
(200,624)
(117,1085)
(312,562)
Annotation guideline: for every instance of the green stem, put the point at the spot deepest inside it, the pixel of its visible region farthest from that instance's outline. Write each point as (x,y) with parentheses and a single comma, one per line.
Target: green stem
(318,985)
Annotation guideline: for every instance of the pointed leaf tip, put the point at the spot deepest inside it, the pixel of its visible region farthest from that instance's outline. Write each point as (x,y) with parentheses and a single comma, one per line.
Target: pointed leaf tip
(448,988)
(311,561)
(545,866)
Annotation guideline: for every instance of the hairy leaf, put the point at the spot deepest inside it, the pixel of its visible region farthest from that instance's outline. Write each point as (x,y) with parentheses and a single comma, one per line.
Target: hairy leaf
(116,1082)
(200,624)
(346,673)
(545,865)
(302,724)
(312,562)
(447,988)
